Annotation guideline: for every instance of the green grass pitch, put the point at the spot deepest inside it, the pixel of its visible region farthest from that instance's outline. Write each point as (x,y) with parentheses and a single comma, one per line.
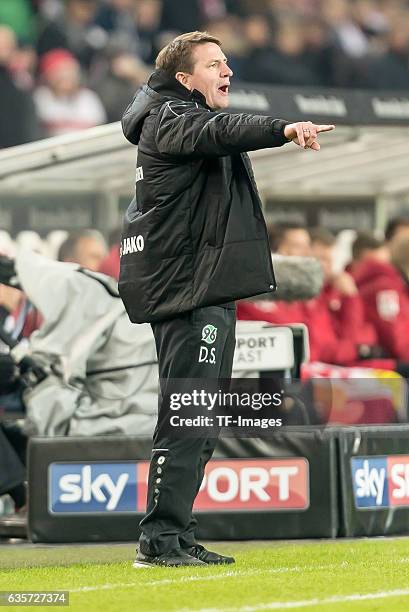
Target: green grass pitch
(347,575)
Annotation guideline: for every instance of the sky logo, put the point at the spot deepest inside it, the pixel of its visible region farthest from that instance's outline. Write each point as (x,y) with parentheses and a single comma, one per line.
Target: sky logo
(78,488)
(380,482)
(368,477)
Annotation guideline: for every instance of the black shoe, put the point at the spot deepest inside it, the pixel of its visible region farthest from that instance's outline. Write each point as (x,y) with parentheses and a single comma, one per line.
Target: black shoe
(175,558)
(207,556)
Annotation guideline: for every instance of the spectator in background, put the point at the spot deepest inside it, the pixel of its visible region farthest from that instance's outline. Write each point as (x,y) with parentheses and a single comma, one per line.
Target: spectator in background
(23,66)
(364,247)
(182,16)
(64,106)
(73,30)
(85,247)
(370,17)
(350,42)
(385,292)
(257,32)
(321,53)
(148,16)
(390,69)
(347,32)
(279,58)
(18,121)
(117,81)
(115,18)
(132,25)
(290,66)
(338,332)
(336,322)
(290,239)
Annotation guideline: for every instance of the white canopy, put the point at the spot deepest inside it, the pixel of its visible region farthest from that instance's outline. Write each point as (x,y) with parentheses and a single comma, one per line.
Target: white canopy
(354,162)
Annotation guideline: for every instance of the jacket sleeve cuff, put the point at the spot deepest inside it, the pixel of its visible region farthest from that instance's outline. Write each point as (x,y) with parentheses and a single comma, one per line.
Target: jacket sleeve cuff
(278,126)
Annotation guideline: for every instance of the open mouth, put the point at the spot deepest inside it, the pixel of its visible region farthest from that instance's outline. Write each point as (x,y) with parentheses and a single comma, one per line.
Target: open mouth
(224,89)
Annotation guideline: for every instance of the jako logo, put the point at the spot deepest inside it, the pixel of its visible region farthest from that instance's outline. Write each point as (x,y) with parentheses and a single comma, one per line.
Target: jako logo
(254,484)
(133,244)
(90,488)
(380,482)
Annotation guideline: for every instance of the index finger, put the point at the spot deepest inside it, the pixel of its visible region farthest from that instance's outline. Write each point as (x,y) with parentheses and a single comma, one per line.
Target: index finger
(325,128)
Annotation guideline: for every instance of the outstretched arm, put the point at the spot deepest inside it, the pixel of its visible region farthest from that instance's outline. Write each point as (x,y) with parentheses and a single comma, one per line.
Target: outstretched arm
(184,129)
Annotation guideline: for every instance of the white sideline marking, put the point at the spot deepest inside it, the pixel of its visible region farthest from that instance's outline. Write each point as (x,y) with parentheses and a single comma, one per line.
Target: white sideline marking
(286,605)
(135,584)
(231,574)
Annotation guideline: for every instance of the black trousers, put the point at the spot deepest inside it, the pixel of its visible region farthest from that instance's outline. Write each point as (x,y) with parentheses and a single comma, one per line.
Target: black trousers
(178,464)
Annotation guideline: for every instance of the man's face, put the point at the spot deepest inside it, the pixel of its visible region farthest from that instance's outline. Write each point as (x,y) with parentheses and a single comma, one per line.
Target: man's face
(380,254)
(65,79)
(89,253)
(295,242)
(211,75)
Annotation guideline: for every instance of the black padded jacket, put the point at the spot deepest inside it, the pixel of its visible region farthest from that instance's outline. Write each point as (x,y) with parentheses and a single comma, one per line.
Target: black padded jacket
(194,235)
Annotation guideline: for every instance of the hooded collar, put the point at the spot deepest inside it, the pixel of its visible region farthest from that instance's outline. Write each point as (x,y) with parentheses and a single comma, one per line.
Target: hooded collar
(160,88)
(165,85)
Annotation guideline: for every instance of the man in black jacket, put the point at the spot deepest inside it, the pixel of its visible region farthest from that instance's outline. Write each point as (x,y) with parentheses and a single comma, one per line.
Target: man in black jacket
(194,241)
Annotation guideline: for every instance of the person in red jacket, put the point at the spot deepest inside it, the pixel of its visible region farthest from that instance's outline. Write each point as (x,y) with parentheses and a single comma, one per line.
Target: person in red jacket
(328,315)
(336,322)
(364,247)
(338,331)
(384,289)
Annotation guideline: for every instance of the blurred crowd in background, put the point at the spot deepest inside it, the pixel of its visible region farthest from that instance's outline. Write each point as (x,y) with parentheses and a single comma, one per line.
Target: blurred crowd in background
(361,316)
(67,65)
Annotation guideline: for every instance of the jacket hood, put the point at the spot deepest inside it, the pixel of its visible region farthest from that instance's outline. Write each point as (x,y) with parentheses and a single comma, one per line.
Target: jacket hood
(371,269)
(159,88)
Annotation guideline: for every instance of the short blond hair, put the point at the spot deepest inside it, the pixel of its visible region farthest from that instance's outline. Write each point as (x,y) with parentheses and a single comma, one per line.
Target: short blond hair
(177,56)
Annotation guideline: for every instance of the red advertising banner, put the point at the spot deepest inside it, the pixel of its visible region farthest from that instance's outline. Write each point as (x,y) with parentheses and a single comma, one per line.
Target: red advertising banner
(246,484)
